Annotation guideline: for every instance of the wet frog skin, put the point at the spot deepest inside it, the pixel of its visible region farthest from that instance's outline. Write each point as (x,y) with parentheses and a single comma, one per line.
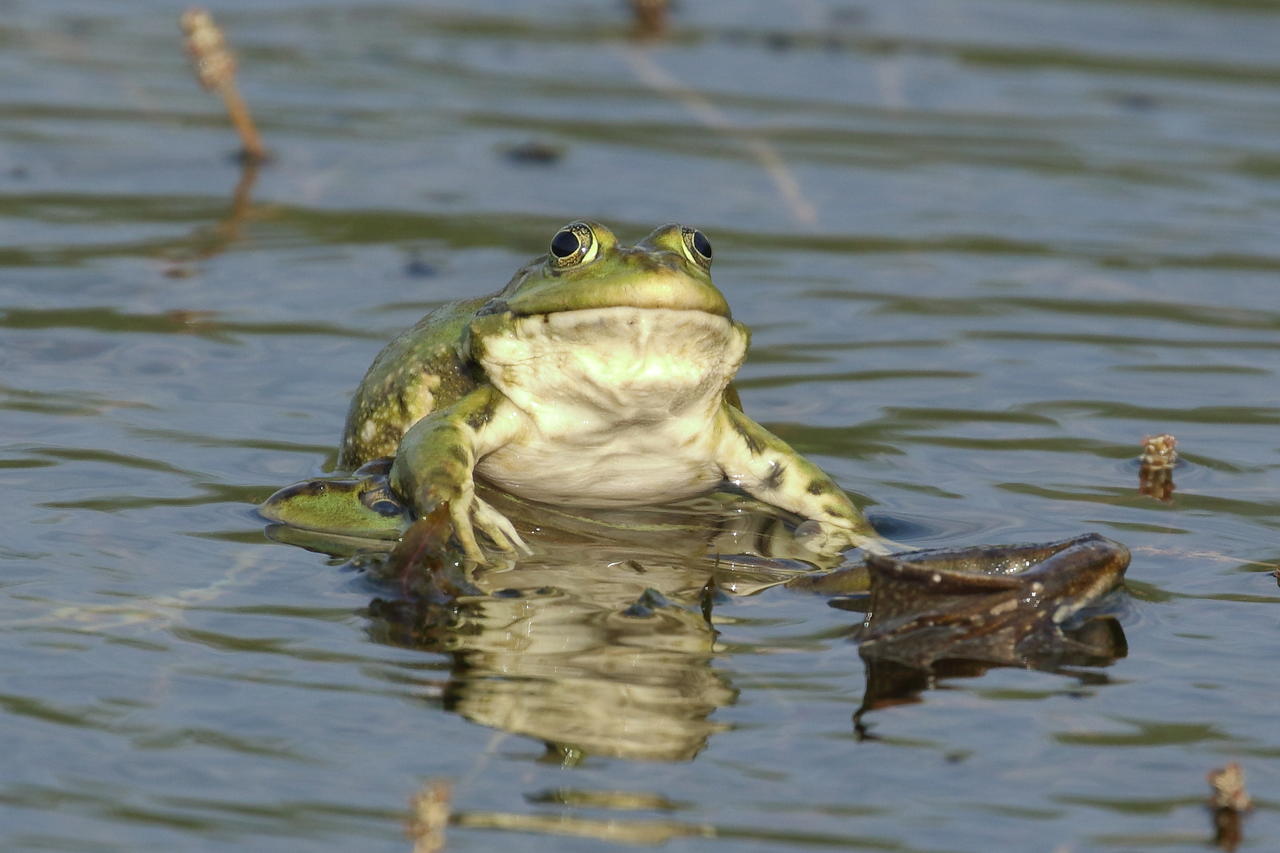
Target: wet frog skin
(599,376)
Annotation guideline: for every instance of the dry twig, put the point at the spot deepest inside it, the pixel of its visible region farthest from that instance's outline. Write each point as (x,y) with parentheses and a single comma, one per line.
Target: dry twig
(215,67)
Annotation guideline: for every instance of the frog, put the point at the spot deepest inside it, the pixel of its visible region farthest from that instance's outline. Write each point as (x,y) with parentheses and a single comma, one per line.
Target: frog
(601,375)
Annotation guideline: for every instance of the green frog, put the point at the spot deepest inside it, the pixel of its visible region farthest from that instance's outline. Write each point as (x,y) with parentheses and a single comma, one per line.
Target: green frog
(600,376)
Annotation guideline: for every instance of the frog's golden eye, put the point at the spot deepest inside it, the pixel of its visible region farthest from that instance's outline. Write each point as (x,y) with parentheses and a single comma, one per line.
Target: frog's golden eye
(697,246)
(382,501)
(573,244)
(565,244)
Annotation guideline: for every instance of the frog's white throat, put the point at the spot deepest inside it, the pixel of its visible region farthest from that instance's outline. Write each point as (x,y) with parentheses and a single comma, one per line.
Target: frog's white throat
(600,369)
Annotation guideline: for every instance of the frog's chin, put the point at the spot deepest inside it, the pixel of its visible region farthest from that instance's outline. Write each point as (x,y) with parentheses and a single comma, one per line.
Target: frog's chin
(624,404)
(615,364)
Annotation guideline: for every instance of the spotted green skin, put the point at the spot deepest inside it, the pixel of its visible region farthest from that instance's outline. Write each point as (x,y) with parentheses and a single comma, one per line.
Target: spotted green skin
(603,378)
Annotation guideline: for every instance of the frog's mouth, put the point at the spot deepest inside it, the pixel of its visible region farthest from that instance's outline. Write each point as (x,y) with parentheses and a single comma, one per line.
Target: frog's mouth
(635,279)
(624,361)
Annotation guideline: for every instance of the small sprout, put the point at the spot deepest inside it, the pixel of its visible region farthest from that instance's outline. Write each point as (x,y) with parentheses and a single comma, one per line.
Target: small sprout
(1228,803)
(1159,455)
(215,67)
(1159,451)
(429,816)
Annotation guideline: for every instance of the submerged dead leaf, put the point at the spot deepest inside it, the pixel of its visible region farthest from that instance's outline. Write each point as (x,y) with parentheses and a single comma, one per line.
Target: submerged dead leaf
(421,555)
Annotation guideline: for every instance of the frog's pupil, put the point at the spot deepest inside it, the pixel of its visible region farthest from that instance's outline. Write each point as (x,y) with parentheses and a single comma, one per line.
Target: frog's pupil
(565,244)
(386,507)
(702,244)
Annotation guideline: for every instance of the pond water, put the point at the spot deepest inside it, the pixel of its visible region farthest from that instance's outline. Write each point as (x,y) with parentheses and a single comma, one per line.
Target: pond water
(984,246)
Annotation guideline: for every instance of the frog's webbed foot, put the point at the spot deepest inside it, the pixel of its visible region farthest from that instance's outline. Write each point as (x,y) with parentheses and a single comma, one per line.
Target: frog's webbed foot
(477,513)
(469,513)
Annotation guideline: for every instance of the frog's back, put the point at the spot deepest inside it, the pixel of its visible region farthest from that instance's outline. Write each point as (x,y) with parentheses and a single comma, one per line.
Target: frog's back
(420,371)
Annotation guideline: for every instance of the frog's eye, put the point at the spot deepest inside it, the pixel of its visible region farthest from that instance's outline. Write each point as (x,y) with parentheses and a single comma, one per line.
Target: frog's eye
(697,246)
(565,244)
(386,507)
(573,244)
(380,500)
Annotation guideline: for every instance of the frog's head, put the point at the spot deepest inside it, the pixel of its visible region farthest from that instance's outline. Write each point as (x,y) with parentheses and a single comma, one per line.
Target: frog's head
(361,505)
(632,328)
(586,268)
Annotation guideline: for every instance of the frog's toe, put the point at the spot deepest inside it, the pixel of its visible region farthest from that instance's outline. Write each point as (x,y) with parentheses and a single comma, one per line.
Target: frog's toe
(825,538)
(460,514)
(498,528)
(470,514)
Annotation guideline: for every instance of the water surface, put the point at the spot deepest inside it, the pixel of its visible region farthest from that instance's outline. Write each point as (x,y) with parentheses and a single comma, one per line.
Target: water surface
(984,248)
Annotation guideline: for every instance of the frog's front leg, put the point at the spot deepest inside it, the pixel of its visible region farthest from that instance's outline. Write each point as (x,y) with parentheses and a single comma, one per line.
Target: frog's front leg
(436,463)
(767,468)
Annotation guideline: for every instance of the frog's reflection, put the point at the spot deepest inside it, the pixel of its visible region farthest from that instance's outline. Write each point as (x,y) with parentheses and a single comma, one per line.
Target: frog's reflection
(628,682)
(600,642)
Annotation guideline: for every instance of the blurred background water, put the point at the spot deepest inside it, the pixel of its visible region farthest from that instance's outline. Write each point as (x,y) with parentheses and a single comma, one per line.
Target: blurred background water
(984,246)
